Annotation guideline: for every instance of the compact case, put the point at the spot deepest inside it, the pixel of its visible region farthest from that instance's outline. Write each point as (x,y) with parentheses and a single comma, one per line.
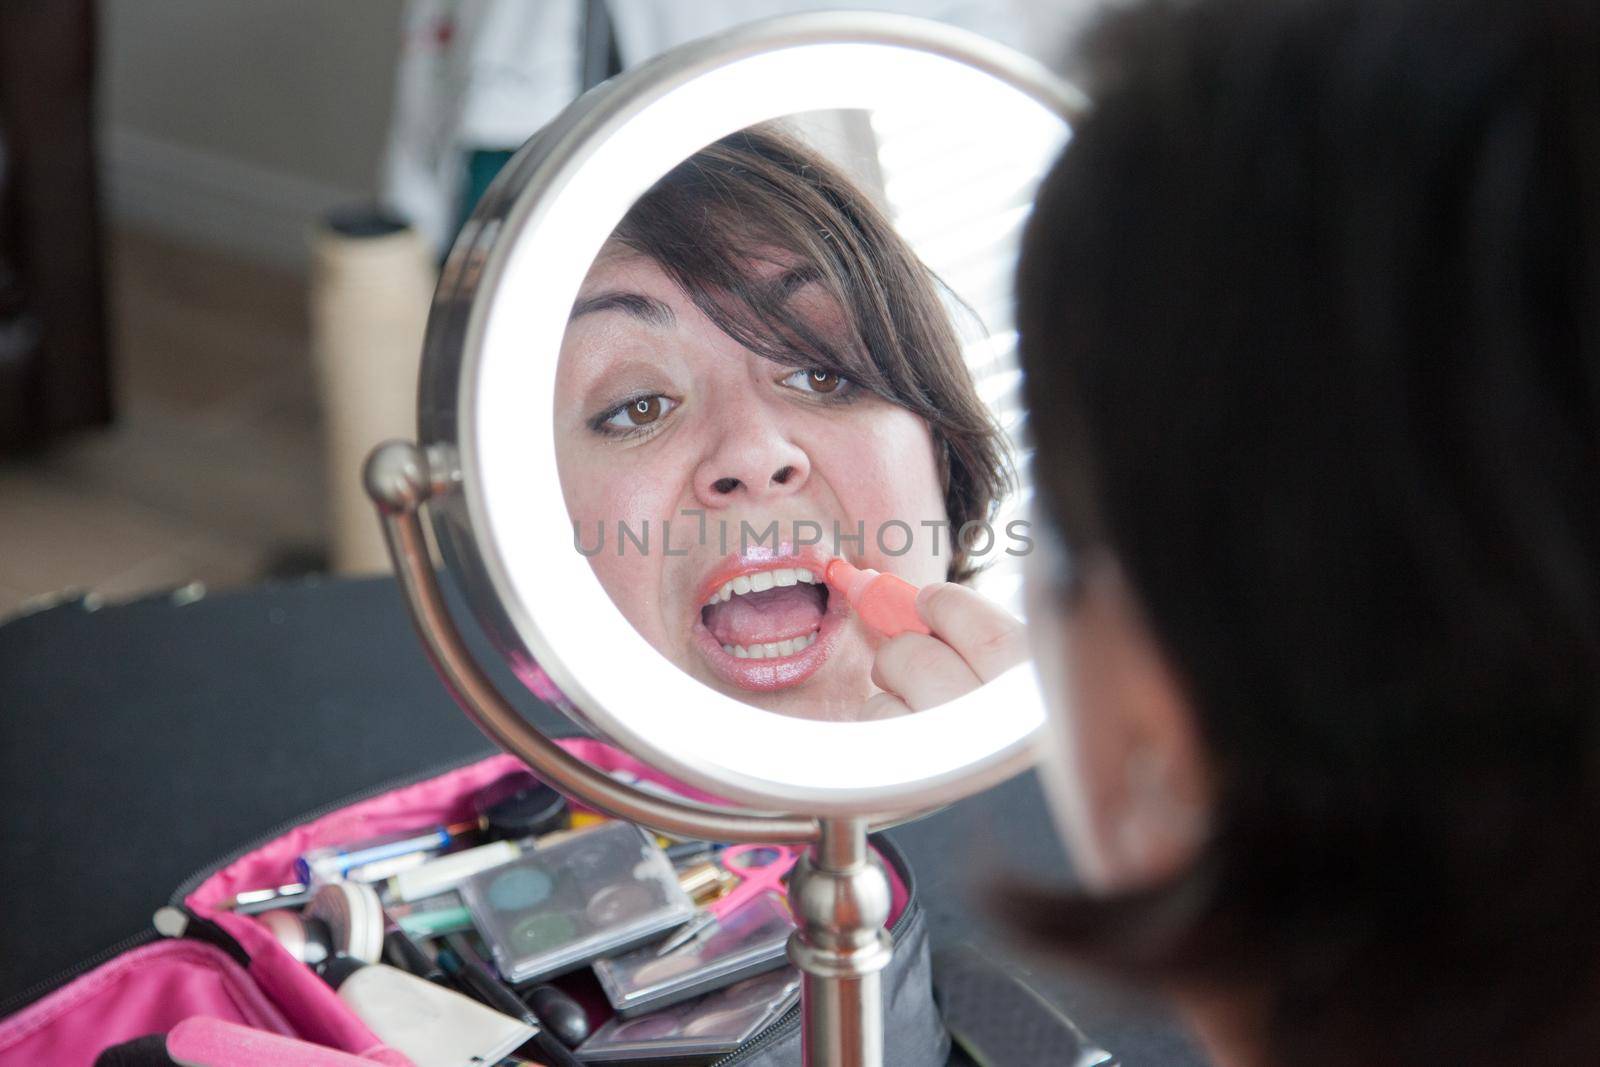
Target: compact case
(229,967)
(559,907)
(749,941)
(716,1024)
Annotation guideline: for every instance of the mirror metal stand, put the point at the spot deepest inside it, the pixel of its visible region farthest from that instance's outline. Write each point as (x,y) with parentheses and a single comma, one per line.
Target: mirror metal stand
(841,898)
(840,895)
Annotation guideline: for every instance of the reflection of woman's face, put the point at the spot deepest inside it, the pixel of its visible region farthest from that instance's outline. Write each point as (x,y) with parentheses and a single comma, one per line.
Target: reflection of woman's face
(660,416)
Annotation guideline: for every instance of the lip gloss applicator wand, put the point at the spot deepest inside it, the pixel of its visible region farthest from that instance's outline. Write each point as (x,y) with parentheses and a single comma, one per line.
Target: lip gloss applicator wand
(885,602)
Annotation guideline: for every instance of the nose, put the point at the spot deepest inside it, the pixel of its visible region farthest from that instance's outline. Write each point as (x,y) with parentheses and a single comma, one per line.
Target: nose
(752,461)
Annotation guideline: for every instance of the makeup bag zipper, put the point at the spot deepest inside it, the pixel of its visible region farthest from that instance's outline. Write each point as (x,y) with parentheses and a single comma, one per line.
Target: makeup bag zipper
(194,881)
(784,1025)
(39,990)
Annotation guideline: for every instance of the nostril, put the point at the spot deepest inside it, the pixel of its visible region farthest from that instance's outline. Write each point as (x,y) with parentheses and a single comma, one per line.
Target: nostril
(725,485)
(783,476)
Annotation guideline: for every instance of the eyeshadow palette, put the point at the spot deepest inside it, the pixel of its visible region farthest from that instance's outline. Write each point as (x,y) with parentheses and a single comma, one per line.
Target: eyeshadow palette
(713,1025)
(748,941)
(599,893)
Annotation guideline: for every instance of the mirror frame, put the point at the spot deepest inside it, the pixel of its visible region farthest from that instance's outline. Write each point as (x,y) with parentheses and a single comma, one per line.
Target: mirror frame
(706,738)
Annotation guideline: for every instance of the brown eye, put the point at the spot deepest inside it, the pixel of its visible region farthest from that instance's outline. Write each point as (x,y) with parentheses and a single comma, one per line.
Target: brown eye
(822,381)
(645,410)
(635,414)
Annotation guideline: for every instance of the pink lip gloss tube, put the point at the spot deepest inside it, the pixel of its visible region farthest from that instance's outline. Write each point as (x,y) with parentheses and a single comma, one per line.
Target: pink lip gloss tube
(885,602)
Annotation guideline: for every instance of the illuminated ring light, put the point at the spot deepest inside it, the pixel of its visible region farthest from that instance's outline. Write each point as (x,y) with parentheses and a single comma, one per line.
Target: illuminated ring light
(493,343)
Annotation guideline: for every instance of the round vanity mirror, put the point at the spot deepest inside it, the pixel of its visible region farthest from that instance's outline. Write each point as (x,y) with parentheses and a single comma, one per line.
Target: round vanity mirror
(740,313)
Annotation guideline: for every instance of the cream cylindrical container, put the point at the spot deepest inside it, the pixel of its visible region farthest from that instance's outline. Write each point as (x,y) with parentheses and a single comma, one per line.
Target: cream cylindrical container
(371,285)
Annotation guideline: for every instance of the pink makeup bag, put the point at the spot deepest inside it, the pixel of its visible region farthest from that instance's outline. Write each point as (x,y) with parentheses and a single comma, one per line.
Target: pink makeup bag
(236,972)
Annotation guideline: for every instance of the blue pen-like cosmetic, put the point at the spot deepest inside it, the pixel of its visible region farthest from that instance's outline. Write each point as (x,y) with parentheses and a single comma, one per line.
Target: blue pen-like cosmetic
(333,862)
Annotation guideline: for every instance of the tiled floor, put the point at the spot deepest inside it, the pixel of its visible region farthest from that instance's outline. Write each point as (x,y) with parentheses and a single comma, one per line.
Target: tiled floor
(213,472)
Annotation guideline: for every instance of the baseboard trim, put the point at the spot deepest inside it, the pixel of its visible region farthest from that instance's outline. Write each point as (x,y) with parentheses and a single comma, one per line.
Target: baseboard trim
(212,200)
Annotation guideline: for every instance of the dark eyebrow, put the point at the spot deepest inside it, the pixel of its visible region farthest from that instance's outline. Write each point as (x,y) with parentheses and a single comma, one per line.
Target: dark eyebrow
(797,278)
(645,308)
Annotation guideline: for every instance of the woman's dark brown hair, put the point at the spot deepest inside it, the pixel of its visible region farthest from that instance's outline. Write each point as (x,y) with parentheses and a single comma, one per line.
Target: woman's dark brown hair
(1310,315)
(760,198)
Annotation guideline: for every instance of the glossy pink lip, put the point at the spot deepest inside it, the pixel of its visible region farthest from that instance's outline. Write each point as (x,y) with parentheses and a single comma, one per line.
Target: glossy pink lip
(764,675)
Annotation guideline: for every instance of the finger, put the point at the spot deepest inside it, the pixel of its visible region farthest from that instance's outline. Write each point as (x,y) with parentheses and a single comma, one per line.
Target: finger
(923,671)
(884,706)
(988,638)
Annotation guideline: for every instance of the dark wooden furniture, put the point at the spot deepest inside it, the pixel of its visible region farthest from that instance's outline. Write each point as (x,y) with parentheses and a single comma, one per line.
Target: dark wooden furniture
(54,366)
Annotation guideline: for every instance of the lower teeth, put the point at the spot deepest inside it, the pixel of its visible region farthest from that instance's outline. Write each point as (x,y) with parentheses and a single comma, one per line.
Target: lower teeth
(771,649)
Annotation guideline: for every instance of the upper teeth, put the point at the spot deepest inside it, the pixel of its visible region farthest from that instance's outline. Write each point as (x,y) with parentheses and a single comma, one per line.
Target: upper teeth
(761,581)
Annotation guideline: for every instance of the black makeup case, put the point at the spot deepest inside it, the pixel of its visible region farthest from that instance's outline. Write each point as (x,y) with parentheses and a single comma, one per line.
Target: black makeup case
(224,965)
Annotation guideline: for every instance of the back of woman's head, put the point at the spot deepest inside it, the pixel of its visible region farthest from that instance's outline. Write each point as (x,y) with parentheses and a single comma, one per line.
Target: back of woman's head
(1311,325)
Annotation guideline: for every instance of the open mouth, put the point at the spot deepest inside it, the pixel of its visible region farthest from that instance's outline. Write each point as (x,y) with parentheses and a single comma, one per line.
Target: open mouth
(767,624)
(767,614)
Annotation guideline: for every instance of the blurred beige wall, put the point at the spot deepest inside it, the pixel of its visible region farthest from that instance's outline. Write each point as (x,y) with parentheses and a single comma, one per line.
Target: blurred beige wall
(237,122)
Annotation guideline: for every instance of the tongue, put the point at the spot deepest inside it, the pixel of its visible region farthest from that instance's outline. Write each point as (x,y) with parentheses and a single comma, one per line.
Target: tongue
(775,614)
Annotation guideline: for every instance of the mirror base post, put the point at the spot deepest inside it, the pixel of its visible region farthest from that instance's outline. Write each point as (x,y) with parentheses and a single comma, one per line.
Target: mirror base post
(841,901)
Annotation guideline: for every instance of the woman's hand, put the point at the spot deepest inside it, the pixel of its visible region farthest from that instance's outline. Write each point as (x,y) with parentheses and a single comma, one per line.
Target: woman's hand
(973,641)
